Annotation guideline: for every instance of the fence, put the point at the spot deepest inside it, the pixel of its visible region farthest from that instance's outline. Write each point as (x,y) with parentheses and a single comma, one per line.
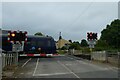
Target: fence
(99,55)
(79,53)
(113,58)
(104,56)
(9,59)
(110,57)
(74,52)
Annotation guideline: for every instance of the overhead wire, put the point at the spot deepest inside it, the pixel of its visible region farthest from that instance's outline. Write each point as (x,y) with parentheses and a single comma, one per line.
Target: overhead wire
(81,14)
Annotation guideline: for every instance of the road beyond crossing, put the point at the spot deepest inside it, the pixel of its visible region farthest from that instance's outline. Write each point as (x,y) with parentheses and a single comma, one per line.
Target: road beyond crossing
(63,67)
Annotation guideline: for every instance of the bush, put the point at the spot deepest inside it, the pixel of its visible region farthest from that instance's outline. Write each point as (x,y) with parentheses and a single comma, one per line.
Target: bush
(85,50)
(62,51)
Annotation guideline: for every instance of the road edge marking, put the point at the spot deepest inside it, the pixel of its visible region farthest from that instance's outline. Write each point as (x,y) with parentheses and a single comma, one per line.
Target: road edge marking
(68,69)
(26,62)
(36,67)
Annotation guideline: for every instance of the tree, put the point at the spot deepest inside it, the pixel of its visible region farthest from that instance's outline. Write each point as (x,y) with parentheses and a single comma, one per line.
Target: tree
(64,48)
(70,41)
(38,34)
(112,34)
(84,43)
(75,45)
(101,45)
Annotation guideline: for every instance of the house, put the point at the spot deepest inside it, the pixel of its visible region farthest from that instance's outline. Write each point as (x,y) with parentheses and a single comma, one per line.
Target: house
(61,42)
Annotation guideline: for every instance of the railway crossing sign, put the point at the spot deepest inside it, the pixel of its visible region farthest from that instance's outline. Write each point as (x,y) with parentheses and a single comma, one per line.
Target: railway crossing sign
(14,36)
(91,37)
(91,43)
(17,47)
(17,38)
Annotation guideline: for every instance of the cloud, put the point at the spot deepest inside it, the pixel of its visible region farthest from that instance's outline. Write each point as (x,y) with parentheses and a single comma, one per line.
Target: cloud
(74,20)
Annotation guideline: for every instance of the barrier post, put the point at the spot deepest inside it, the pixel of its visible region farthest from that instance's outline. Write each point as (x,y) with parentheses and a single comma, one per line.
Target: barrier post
(16,58)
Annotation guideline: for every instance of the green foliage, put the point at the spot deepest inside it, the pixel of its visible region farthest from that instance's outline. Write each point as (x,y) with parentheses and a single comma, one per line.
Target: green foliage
(70,41)
(101,45)
(85,50)
(61,51)
(84,43)
(64,48)
(110,37)
(38,34)
(75,45)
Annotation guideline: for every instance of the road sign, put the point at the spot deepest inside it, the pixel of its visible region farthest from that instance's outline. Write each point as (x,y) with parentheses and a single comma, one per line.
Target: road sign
(17,38)
(91,46)
(91,42)
(17,47)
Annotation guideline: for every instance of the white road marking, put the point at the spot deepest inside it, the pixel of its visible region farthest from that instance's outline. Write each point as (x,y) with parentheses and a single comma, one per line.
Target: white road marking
(36,67)
(50,74)
(26,62)
(68,69)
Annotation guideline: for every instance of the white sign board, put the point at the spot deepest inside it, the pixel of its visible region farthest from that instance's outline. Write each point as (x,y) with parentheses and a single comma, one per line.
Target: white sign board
(17,47)
(91,43)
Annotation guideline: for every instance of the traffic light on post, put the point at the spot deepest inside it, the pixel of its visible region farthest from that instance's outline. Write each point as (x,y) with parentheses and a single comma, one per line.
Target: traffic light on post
(91,36)
(94,36)
(20,36)
(17,36)
(88,36)
(11,36)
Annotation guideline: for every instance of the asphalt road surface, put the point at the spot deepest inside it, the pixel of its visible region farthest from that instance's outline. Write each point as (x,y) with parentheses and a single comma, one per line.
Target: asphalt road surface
(63,67)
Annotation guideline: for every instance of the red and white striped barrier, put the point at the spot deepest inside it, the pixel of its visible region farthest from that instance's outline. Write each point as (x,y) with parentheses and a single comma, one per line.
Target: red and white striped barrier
(42,55)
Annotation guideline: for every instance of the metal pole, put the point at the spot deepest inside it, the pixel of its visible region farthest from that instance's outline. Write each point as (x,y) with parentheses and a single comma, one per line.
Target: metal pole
(16,58)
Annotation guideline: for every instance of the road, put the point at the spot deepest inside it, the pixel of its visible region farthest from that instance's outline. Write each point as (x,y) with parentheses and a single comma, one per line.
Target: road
(63,67)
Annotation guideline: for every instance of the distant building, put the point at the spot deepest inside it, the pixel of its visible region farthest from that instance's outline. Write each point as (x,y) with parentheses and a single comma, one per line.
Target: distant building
(61,42)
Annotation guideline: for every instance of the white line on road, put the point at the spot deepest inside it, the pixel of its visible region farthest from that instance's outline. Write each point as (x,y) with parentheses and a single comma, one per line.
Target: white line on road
(26,62)
(68,69)
(51,74)
(36,67)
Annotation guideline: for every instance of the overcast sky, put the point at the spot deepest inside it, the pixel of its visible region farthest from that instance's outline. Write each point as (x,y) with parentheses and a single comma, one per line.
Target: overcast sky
(73,19)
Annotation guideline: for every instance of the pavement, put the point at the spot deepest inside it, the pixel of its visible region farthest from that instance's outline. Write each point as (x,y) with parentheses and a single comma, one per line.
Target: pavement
(63,67)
